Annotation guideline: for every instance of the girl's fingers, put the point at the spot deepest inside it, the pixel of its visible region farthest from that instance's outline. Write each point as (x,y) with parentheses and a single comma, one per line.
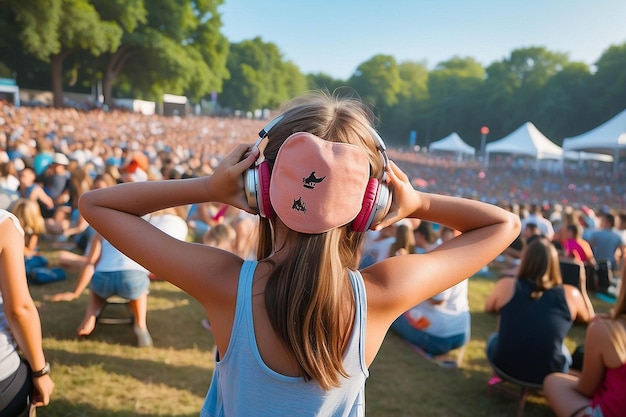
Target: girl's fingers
(395,171)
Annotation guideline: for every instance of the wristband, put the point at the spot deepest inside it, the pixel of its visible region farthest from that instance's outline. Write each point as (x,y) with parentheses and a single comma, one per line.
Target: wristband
(44,371)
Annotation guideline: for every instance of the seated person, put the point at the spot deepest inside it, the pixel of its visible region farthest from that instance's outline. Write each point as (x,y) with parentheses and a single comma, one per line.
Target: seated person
(29,214)
(600,388)
(222,236)
(576,247)
(30,189)
(536,312)
(441,323)
(81,232)
(403,244)
(201,217)
(376,245)
(108,272)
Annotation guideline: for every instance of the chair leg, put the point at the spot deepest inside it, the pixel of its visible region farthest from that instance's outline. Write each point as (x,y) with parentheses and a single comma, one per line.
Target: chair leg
(460,355)
(522,401)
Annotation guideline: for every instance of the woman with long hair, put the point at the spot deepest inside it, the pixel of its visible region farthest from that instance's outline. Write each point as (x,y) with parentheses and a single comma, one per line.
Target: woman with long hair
(599,390)
(297,330)
(536,311)
(29,214)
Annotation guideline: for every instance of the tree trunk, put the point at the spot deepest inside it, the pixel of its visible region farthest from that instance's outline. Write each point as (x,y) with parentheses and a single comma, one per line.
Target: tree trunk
(107,86)
(116,63)
(56,74)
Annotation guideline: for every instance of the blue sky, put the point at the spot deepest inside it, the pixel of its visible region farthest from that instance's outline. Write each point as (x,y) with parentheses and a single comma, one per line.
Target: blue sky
(335,36)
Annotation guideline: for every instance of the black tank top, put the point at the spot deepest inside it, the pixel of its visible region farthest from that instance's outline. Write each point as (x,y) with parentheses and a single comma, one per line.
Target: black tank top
(531,333)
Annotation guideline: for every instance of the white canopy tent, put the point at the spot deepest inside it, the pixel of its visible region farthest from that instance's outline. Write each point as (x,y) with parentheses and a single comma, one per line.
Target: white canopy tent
(526,140)
(609,138)
(586,156)
(452,143)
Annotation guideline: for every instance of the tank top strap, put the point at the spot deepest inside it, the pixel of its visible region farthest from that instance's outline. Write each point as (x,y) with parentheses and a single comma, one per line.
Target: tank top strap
(243,309)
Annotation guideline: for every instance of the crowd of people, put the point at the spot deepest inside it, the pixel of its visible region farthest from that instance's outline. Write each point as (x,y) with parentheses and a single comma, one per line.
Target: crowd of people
(50,157)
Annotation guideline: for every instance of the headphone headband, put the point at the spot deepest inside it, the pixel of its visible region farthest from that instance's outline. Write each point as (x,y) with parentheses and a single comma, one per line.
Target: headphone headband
(266,130)
(376,200)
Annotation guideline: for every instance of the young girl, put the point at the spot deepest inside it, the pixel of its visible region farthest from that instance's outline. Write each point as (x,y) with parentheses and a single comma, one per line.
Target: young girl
(599,390)
(297,331)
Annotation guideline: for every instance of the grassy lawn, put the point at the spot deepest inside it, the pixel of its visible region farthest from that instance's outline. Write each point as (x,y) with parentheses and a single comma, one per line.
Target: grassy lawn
(106,375)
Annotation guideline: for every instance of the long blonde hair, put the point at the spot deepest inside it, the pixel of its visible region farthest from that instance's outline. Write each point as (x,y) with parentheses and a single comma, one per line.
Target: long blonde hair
(308,295)
(29,214)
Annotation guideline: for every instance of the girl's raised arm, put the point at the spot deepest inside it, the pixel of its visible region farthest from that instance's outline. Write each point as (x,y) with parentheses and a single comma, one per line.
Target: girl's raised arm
(404,281)
(117,214)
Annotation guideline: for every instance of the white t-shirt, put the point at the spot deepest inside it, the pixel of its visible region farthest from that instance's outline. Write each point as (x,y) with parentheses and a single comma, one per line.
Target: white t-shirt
(451,317)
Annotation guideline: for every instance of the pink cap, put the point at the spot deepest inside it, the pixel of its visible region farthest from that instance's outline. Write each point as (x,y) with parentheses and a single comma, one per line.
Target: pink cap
(317,185)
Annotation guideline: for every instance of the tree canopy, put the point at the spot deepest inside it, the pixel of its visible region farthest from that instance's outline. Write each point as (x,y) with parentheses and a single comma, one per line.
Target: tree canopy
(141,49)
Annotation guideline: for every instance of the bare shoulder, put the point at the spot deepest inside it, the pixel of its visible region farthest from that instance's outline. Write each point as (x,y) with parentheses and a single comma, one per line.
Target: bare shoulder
(602,326)
(501,294)
(572,293)
(505,285)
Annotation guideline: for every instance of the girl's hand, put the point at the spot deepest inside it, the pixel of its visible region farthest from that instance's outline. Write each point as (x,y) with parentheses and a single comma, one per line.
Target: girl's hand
(405,198)
(227,182)
(42,391)
(63,296)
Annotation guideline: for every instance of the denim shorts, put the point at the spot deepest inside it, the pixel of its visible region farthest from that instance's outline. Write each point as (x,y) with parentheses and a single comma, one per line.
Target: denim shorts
(129,285)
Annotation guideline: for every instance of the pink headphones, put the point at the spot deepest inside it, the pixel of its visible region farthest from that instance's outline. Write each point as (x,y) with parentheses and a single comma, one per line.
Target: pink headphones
(376,200)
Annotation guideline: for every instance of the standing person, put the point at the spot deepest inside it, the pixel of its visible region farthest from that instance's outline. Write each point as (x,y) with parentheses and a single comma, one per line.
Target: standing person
(20,327)
(600,388)
(297,326)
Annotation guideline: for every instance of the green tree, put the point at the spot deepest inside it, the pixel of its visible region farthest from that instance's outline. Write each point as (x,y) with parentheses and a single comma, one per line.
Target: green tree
(532,68)
(296,83)
(171,47)
(512,89)
(453,87)
(609,83)
(51,31)
(259,77)
(564,108)
(410,113)
(322,81)
(378,81)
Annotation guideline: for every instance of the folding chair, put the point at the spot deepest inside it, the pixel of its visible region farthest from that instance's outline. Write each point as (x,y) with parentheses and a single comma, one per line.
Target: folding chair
(116,317)
(29,410)
(501,378)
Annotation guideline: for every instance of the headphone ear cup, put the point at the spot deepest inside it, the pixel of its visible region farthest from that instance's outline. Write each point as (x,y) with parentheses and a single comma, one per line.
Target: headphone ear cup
(361,221)
(250,188)
(381,205)
(264,174)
